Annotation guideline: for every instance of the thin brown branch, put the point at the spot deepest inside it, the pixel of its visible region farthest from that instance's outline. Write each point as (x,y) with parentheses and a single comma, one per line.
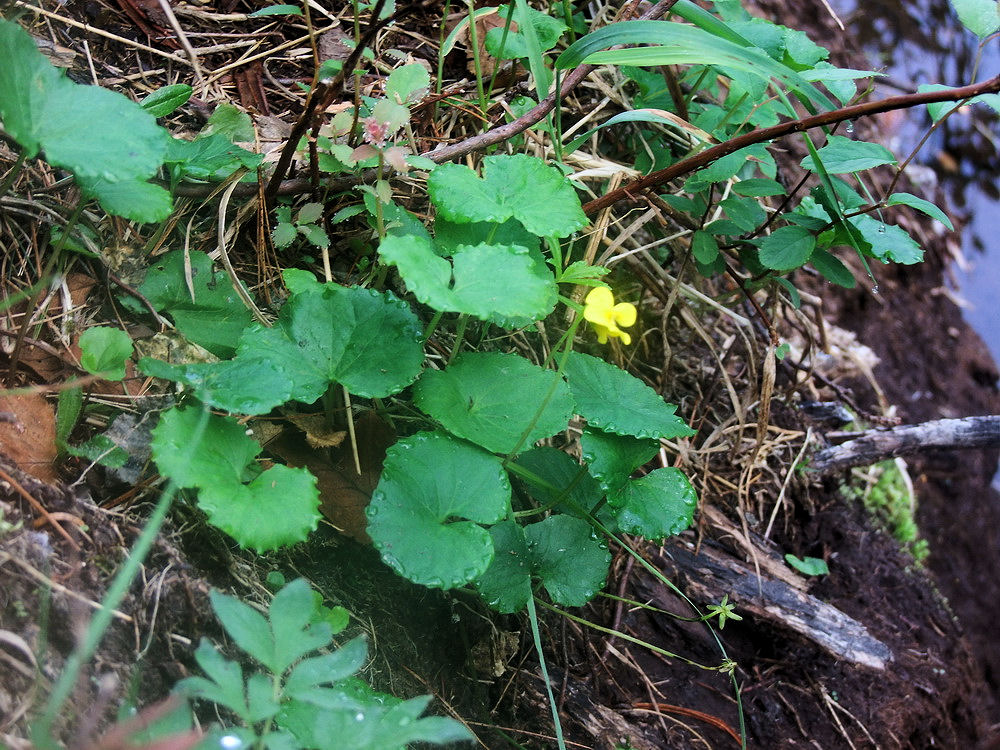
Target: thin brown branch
(761,135)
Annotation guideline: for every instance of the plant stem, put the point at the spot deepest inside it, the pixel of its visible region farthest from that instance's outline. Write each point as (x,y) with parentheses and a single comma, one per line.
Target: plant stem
(536,636)
(432,326)
(463,321)
(474,41)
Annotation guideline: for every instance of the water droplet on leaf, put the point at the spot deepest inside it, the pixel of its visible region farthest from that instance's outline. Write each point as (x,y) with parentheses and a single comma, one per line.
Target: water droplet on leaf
(230,742)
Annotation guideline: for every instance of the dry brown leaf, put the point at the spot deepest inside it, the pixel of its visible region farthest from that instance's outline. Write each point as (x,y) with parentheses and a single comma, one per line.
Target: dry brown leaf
(344,494)
(319,434)
(28,434)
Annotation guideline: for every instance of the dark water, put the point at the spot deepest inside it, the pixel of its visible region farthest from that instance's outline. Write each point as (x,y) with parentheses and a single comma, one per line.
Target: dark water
(922,41)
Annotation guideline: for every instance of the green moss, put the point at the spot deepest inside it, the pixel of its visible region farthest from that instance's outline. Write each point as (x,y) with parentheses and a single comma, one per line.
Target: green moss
(886,494)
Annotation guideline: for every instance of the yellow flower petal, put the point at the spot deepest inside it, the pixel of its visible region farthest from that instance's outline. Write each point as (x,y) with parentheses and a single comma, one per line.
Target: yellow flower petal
(625,314)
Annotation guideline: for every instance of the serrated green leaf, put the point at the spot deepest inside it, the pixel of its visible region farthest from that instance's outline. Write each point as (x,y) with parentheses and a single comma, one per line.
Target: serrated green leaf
(487,281)
(581,272)
(367,341)
(261,704)
(841,155)
(570,487)
(104,351)
(131,145)
(135,200)
(919,204)
(166,99)
(327,668)
(245,625)
(571,562)
(224,452)
(248,384)
(561,551)
(614,401)
(102,449)
(224,685)
(26,79)
(212,156)
(888,242)
(296,630)
(315,235)
(216,316)
(519,186)
(279,507)
(425,514)
(407,82)
(978,16)
(655,506)
(506,584)
(493,399)
(786,248)
(611,459)
(310,213)
(284,235)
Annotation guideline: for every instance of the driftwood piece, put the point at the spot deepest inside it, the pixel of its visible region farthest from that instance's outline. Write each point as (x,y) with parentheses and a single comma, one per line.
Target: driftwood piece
(713,573)
(878,445)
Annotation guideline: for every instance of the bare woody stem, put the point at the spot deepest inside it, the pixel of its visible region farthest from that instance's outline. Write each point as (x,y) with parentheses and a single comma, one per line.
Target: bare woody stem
(703,158)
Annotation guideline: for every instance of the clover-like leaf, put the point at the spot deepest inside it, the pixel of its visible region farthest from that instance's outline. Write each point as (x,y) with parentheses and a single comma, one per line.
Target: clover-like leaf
(279,507)
(485,281)
(561,551)
(611,458)
(367,341)
(519,186)
(655,506)
(493,399)
(426,511)
(614,401)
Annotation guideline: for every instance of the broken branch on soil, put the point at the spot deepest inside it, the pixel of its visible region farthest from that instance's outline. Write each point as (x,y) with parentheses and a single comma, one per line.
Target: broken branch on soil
(879,445)
(762,135)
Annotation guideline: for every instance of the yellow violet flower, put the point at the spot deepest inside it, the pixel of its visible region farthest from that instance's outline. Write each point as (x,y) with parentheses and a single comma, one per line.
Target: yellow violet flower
(600,309)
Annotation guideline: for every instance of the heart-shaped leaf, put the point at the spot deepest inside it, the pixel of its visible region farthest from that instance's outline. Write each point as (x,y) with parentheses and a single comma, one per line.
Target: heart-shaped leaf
(425,514)
(493,399)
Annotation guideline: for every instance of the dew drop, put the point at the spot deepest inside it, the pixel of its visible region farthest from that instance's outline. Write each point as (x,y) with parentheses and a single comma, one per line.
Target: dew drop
(359,716)
(875,289)
(230,742)
(881,228)
(850,128)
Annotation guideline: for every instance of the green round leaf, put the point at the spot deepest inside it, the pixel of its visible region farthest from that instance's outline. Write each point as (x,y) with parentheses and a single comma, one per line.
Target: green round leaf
(493,400)
(135,200)
(430,482)
(279,507)
(786,248)
(570,561)
(104,351)
(368,341)
(614,401)
(655,506)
